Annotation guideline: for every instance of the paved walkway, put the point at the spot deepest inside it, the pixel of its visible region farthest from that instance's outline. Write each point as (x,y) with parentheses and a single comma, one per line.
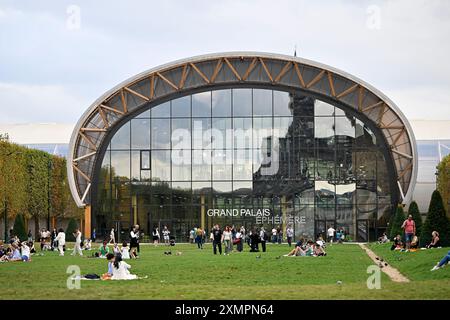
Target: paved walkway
(392,273)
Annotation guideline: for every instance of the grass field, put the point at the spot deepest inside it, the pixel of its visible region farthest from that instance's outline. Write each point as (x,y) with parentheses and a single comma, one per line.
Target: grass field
(198,274)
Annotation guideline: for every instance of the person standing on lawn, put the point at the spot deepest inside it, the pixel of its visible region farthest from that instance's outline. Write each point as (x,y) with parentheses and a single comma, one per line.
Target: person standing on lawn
(77,247)
(112,237)
(330,234)
(263,239)
(409,227)
(217,238)
(61,240)
(289,235)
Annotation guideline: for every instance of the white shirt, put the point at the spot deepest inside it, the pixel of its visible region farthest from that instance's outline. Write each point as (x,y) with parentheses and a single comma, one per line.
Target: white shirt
(61,238)
(112,234)
(122,272)
(166,234)
(289,232)
(226,235)
(125,253)
(330,232)
(274,232)
(25,250)
(78,239)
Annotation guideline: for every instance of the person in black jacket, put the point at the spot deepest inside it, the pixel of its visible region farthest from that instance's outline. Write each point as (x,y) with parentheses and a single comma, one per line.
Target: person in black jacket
(217,238)
(254,240)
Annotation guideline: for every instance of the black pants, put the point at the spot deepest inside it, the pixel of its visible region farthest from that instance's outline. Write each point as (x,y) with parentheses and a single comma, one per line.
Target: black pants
(289,240)
(263,246)
(254,246)
(215,245)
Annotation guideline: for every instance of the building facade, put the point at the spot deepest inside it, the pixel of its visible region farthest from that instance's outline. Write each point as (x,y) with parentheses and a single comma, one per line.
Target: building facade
(258,140)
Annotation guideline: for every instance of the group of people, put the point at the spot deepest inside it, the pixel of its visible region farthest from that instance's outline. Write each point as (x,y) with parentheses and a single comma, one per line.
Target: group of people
(335,235)
(167,238)
(308,248)
(16,250)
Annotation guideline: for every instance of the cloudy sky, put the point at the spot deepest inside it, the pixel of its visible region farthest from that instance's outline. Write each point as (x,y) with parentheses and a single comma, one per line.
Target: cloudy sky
(57,57)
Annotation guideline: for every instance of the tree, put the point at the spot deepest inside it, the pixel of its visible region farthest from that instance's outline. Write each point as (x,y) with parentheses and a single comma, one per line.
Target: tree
(72,226)
(414,211)
(399,218)
(19,228)
(443,181)
(436,220)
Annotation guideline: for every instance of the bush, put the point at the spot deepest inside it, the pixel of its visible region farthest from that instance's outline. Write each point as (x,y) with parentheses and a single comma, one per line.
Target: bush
(399,218)
(73,225)
(19,228)
(436,221)
(414,211)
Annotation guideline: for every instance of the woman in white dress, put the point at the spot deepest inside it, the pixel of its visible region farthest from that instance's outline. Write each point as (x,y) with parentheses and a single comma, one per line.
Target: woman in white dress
(61,239)
(120,270)
(125,251)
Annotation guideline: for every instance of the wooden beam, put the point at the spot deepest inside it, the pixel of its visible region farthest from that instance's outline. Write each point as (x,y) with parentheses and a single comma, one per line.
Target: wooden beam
(283,71)
(299,75)
(199,72)
(152,86)
(167,80)
(401,153)
(398,136)
(93,129)
(250,68)
(391,127)
(408,167)
(136,94)
(347,91)
(266,69)
(81,173)
(184,75)
(103,116)
(216,70)
(124,102)
(380,116)
(88,155)
(112,109)
(330,81)
(316,79)
(232,69)
(89,141)
(374,105)
(360,98)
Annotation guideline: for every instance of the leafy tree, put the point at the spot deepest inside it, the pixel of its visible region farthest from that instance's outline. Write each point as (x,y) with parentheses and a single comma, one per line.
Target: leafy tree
(443,181)
(436,220)
(399,218)
(19,228)
(72,226)
(414,211)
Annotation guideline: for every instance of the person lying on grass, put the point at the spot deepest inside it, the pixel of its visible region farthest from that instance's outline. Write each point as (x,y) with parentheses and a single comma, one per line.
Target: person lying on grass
(311,249)
(444,261)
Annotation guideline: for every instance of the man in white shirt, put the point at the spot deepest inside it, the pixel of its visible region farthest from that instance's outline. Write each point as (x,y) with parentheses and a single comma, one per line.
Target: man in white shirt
(330,234)
(289,235)
(274,235)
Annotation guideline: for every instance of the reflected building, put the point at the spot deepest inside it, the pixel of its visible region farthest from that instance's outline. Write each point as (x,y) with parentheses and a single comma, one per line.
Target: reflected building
(308,147)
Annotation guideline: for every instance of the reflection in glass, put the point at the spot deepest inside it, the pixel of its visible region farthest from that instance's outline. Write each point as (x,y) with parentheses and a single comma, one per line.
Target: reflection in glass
(181,107)
(221,103)
(121,139)
(181,133)
(281,103)
(140,133)
(242,102)
(120,165)
(161,165)
(161,110)
(201,104)
(160,133)
(262,102)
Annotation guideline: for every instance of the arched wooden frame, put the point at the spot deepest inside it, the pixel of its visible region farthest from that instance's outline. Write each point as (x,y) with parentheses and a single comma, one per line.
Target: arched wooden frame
(205,72)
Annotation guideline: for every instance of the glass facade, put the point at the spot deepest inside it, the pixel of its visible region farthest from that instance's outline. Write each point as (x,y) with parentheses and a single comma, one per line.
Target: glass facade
(243,156)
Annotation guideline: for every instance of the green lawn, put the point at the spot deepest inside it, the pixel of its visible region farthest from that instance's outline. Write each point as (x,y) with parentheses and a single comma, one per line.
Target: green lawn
(198,274)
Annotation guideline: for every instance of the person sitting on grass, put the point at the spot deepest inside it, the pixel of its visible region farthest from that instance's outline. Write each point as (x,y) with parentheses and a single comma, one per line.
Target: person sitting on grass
(25,252)
(435,241)
(121,269)
(87,244)
(12,254)
(383,239)
(444,261)
(414,243)
(110,258)
(302,251)
(125,252)
(397,245)
(104,249)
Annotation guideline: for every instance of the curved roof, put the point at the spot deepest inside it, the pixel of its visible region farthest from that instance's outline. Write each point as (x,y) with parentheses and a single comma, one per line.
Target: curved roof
(236,68)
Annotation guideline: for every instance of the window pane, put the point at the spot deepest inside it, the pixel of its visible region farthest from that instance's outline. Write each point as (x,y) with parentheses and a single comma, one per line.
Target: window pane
(160,165)
(145,160)
(242,133)
(181,165)
(242,166)
(161,111)
(121,139)
(120,165)
(221,103)
(160,133)
(140,134)
(201,133)
(181,107)
(145,114)
(201,104)
(324,131)
(201,165)
(222,134)
(262,102)
(262,132)
(242,102)
(281,103)
(323,109)
(222,164)
(181,133)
